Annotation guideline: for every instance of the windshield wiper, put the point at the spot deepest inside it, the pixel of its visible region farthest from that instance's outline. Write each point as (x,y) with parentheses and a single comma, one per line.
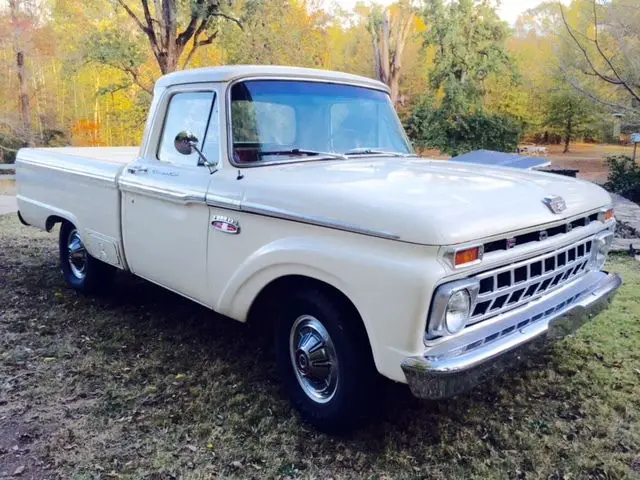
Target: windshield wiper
(376,151)
(300,151)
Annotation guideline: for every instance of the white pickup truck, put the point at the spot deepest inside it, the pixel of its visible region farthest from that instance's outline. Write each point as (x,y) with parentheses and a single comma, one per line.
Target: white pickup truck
(292,196)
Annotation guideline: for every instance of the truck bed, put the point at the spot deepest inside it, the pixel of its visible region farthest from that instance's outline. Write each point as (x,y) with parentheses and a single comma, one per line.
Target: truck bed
(78,184)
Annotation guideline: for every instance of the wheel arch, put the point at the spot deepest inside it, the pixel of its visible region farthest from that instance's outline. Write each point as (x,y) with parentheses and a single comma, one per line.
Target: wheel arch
(261,309)
(51,221)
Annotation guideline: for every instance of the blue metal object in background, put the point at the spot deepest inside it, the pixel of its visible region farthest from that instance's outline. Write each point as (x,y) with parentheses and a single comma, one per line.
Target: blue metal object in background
(514,160)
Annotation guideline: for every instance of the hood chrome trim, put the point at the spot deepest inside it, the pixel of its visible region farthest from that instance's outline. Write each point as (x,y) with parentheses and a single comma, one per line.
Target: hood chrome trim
(266,211)
(311,220)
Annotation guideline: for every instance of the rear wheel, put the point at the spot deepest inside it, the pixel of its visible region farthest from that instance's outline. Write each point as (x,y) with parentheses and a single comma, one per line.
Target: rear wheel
(79,269)
(324,360)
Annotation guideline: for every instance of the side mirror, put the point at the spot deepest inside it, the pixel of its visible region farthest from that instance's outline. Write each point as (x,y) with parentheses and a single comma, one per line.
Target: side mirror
(185,142)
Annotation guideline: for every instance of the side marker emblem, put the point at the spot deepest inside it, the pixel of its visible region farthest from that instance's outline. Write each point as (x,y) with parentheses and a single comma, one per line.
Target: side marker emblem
(225,224)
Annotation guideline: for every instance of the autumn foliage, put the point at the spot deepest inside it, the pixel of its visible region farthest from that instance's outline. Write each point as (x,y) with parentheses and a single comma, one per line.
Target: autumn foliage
(85,69)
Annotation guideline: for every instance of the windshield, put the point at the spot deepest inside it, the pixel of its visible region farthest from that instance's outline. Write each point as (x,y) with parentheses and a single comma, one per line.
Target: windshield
(277,120)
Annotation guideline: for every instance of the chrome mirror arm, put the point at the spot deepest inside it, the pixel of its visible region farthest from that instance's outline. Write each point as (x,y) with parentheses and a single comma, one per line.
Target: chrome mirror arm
(203,160)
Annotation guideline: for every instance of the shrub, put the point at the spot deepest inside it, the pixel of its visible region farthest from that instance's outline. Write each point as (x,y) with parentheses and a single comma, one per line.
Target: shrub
(430,127)
(624,177)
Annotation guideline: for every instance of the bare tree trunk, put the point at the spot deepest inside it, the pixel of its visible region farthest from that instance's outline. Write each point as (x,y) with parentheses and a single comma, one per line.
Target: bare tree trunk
(388,50)
(568,134)
(23,92)
(166,43)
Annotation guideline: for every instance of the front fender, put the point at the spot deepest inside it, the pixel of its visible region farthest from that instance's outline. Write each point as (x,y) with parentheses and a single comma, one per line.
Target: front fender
(289,256)
(389,283)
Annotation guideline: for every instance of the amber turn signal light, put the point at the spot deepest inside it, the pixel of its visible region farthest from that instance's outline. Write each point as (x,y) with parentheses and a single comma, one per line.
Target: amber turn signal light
(467,255)
(608,215)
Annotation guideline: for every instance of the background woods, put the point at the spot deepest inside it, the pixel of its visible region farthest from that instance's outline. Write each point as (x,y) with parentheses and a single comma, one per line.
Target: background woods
(82,72)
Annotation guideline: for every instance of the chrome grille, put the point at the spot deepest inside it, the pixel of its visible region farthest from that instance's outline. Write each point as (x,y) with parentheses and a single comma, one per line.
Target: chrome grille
(508,287)
(539,235)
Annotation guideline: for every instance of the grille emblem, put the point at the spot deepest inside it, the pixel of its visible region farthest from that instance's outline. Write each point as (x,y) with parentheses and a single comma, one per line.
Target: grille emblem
(225,224)
(555,203)
(511,242)
(543,235)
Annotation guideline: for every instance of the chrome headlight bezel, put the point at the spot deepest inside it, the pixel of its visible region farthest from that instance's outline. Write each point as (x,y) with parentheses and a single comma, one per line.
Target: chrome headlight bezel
(437,325)
(602,243)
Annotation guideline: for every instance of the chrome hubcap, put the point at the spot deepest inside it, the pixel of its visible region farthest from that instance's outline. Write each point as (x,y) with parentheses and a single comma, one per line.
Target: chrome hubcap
(314,358)
(77,256)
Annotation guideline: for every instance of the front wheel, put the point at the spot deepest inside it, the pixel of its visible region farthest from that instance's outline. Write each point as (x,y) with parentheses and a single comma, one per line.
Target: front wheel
(324,360)
(80,270)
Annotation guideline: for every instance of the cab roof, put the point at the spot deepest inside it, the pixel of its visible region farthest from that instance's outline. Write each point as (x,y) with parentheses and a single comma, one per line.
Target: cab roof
(228,73)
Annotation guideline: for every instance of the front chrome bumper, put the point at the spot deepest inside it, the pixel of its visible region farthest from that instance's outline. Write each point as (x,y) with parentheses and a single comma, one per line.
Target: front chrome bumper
(487,348)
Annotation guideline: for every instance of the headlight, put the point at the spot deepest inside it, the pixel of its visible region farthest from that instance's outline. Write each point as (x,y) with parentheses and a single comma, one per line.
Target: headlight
(601,246)
(451,307)
(457,311)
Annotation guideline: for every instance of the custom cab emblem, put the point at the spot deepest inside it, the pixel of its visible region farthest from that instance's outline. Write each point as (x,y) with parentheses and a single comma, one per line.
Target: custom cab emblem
(225,224)
(555,203)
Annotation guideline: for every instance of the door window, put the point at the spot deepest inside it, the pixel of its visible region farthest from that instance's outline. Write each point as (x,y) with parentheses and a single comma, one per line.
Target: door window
(195,112)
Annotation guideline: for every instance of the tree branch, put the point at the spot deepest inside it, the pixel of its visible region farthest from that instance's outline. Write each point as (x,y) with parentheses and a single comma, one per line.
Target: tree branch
(596,99)
(136,79)
(8,150)
(197,44)
(148,30)
(134,16)
(230,18)
(606,78)
(149,19)
(606,59)
(147,13)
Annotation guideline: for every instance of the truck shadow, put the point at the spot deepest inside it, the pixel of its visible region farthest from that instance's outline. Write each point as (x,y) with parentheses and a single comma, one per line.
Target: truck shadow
(202,336)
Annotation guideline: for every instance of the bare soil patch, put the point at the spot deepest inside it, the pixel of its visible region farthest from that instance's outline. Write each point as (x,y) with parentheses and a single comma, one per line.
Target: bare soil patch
(7,187)
(588,158)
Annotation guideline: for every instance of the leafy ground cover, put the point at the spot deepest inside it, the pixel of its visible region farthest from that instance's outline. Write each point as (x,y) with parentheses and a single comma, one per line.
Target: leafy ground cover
(140,383)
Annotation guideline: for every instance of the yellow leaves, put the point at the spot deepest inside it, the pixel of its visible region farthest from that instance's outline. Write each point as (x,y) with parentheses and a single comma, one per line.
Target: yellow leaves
(418,24)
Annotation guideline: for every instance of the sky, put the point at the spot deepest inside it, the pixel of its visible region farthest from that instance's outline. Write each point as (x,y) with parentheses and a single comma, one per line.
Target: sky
(509,10)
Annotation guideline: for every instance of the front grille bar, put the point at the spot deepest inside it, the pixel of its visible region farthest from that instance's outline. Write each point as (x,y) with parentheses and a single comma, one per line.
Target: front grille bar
(508,287)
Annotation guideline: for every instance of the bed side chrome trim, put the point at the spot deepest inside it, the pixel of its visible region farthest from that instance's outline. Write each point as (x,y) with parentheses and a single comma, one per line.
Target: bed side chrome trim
(76,170)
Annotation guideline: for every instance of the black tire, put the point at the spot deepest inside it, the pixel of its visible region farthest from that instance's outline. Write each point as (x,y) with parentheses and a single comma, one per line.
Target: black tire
(95,275)
(353,399)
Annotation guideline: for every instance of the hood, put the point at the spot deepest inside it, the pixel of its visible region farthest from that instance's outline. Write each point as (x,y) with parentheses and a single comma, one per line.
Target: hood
(421,201)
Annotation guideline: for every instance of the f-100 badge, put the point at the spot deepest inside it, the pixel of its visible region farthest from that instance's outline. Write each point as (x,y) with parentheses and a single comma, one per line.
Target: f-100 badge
(225,224)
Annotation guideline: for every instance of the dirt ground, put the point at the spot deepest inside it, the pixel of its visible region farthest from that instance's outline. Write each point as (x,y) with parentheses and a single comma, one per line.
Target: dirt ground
(588,158)
(7,187)
(139,383)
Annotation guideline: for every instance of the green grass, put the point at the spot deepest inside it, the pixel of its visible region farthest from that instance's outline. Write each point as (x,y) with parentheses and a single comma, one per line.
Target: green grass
(140,383)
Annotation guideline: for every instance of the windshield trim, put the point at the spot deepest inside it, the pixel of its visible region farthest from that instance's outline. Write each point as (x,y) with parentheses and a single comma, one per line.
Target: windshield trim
(383,88)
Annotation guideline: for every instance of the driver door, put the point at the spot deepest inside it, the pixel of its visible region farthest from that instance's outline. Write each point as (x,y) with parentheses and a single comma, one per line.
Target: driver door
(165,218)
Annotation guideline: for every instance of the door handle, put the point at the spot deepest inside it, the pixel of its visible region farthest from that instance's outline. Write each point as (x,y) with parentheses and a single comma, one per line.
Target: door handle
(136,170)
